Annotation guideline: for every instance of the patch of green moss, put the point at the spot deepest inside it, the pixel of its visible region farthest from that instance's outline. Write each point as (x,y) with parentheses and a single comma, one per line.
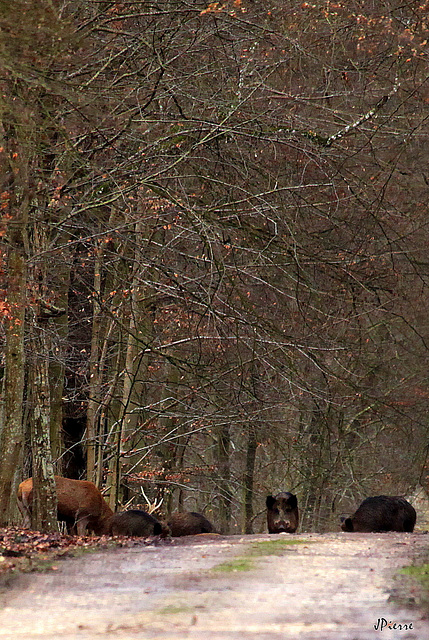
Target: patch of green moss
(273,547)
(419,577)
(264,548)
(173,609)
(412,586)
(241,563)
(421,573)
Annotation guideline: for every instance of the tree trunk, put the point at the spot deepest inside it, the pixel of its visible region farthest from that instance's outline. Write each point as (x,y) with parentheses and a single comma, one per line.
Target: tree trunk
(56,378)
(44,511)
(249,479)
(94,371)
(140,330)
(225,506)
(11,439)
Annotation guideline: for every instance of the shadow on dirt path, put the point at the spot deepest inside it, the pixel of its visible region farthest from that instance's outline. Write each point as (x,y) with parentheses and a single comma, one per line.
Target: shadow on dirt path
(322,587)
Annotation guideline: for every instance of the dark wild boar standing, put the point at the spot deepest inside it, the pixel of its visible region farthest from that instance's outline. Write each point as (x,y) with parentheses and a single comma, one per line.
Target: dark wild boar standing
(135,522)
(382,513)
(189,523)
(282,513)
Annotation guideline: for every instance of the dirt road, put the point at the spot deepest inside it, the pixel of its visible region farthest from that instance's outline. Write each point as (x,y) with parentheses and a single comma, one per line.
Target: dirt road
(321,587)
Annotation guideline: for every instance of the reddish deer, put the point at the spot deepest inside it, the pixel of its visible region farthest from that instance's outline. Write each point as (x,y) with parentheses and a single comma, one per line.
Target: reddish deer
(80,505)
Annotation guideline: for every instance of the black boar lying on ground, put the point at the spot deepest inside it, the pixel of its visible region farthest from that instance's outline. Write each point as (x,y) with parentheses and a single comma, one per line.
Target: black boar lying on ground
(135,523)
(382,513)
(189,523)
(282,513)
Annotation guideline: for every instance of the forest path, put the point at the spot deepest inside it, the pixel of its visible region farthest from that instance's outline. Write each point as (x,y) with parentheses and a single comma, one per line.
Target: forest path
(331,586)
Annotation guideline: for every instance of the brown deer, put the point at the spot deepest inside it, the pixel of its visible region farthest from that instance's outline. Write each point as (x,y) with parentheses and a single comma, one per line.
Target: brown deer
(80,505)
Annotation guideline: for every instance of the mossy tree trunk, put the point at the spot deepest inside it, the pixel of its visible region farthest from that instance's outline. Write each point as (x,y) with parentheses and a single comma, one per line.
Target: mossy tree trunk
(44,512)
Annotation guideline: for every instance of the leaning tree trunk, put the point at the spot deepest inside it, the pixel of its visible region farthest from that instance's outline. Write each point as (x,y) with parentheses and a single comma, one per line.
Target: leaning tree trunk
(132,391)
(138,318)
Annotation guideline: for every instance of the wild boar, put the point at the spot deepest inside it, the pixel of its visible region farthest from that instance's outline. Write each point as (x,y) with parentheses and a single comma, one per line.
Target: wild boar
(382,513)
(80,505)
(282,513)
(189,523)
(135,522)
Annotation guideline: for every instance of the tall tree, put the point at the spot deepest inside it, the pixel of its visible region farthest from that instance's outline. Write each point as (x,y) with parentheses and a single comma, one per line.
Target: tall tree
(30,42)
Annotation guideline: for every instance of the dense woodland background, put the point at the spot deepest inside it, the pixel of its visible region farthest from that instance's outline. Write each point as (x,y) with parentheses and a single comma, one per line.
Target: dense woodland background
(214,263)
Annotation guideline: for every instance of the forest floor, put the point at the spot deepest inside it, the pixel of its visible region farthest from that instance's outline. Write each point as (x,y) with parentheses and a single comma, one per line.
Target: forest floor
(332,586)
